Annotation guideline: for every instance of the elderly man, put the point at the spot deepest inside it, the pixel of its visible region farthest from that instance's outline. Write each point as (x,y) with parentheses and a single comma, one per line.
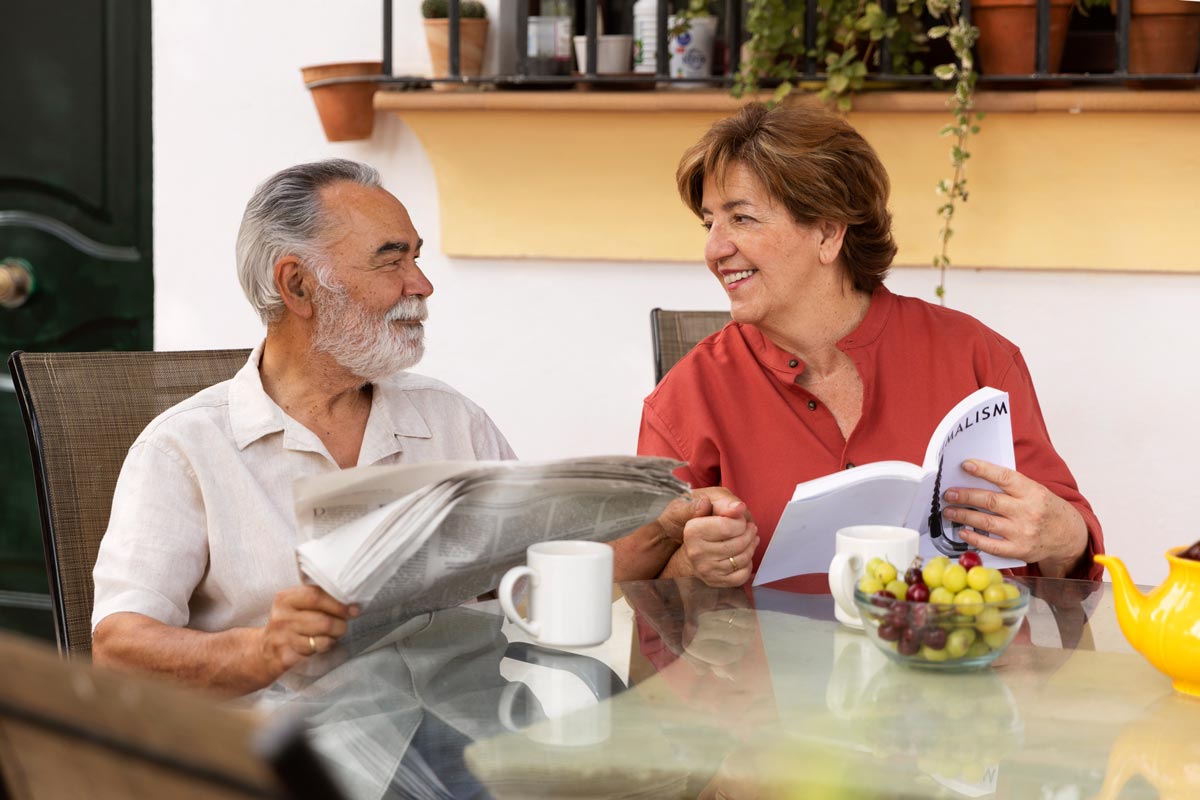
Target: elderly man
(197,574)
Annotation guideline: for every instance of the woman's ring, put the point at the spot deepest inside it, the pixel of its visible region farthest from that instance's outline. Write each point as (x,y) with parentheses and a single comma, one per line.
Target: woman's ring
(312,645)
(733,564)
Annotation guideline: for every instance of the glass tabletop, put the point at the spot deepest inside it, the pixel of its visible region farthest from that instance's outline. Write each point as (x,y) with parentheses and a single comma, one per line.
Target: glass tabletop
(742,693)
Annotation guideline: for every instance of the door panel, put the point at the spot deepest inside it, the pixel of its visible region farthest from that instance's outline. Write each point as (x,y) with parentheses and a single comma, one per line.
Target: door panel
(75,204)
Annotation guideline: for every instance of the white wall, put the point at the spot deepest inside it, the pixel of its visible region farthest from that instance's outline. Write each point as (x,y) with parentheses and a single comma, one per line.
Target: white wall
(559,352)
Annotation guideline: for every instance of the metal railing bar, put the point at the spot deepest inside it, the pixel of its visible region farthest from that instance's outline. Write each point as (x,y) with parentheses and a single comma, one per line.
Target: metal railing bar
(455,24)
(662,57)
(1042,62)
(733,37)
(386,69)
(522,36)
(810,38)
(885,44)
(1123,9)
(590,30)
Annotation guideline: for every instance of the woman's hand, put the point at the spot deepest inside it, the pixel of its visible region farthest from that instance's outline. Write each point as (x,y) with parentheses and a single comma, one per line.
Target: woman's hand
(718,541)
(1033,524)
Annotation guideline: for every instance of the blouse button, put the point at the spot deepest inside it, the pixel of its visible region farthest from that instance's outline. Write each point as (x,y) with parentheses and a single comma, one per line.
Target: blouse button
(849,465)
(793,363)
(812,405)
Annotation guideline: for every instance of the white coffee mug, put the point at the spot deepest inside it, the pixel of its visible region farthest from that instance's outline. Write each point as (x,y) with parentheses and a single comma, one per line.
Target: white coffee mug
(571,716)
(854,547)
(570,593)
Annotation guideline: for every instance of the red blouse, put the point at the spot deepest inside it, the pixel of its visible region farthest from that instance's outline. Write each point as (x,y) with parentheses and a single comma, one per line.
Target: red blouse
(732,410)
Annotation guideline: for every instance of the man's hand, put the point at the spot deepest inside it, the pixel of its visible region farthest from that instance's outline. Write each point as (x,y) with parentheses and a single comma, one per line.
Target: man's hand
(1033,524)
(304,621)
(719,540)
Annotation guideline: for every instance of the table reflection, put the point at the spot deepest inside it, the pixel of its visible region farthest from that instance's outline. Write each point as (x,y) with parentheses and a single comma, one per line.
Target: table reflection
(748,694)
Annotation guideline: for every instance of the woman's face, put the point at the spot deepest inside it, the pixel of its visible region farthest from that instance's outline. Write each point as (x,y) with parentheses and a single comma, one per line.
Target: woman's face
(766,261)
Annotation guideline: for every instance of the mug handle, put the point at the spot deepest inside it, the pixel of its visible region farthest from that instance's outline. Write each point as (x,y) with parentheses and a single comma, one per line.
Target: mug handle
(505,593)
(841,581)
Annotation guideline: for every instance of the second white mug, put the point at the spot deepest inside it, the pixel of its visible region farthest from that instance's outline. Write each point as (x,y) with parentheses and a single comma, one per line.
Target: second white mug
(570,593)
(857,545)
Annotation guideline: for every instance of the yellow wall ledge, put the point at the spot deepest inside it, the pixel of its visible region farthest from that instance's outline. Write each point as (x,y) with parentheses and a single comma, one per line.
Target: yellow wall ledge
(1084,179)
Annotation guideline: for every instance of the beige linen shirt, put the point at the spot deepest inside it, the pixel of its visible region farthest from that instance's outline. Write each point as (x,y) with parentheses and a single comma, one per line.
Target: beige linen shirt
(203,531)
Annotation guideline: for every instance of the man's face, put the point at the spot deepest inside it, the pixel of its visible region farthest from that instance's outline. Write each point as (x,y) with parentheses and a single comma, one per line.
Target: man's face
(369,311)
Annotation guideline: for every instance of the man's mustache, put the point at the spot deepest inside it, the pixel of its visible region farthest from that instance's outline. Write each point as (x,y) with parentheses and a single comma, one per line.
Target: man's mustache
(409,309)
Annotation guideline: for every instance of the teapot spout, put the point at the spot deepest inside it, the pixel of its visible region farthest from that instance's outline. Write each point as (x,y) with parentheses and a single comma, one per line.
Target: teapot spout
(1127,598)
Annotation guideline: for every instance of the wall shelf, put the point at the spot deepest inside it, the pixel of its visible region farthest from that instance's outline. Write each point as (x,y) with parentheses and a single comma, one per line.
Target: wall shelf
(1100,179)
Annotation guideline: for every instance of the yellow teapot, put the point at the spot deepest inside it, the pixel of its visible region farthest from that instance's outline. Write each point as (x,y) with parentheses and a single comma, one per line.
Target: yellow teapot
(1164,625)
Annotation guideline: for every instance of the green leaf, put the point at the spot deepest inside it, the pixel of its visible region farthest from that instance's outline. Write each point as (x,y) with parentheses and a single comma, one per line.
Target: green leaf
(937,31)
(781,92)
(838,83)
(945,72)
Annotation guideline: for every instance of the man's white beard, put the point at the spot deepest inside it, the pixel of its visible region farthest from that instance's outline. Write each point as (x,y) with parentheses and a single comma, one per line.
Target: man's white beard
(371,347)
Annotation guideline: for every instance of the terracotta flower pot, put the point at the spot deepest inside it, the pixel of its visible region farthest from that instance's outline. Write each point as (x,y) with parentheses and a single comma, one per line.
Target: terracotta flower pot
(472,41)
(1008,35)
(345,109)
(1164,36)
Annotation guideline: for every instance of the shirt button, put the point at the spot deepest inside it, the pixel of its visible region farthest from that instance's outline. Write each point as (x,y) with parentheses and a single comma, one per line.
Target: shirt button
(793,363)
(812,405)
(849,465)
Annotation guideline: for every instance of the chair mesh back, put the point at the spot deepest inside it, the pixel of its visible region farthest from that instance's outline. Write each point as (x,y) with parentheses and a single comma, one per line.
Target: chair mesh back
(677,332)
(83,411)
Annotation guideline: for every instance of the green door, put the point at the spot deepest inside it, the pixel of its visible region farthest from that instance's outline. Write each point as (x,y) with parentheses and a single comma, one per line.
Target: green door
(75,215)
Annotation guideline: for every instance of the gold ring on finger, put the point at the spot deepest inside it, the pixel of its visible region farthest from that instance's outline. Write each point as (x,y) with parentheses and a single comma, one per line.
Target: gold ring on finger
(733,564)
(312,645)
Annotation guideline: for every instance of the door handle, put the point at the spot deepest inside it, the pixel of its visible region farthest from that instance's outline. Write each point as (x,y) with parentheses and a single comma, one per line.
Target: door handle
(16,282)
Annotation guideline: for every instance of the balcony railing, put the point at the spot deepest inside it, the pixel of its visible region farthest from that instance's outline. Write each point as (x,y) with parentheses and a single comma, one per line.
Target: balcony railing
(734,19)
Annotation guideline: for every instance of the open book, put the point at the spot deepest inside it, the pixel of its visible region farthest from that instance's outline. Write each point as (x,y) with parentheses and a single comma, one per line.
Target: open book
(414,538)
(896,493)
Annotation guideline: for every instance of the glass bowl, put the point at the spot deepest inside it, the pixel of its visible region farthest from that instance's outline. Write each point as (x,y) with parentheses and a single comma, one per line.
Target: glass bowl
(940,636)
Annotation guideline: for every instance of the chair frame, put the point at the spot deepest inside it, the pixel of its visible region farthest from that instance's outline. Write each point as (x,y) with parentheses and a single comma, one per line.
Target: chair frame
(58,594)
(656,317)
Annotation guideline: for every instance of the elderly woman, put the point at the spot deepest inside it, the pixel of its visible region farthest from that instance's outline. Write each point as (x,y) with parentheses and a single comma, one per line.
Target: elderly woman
(822,367)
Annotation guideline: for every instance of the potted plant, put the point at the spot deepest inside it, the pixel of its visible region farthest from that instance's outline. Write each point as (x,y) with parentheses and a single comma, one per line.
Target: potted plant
(1164,36)
(344,105)
(472,28)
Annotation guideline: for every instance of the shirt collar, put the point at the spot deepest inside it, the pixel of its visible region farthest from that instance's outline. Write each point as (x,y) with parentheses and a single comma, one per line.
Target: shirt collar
(788,366)
(253,415)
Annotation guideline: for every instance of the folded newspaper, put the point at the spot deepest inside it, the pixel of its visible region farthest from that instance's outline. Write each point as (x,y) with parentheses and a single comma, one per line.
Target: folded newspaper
(414,538)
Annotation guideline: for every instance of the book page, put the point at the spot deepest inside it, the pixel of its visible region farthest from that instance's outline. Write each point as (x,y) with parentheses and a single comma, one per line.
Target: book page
(980,427)
(804,539)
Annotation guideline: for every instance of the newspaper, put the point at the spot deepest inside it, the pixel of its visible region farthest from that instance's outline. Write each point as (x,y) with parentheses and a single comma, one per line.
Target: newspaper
(413,538)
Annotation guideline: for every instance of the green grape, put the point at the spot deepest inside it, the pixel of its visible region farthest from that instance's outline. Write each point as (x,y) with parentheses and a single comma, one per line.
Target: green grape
(954,578)
(885,573)
(942,596)
(898,588)
(968,602)
(978,648)
(996,576)
(997,639)
(994,594)
(979,578)
(869,585)
(989,620)
(930,654)
(872,564)
(959,642)
(933,572)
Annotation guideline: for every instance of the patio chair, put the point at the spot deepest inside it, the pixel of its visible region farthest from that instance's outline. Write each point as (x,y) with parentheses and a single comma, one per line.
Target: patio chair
(83,411)
(68,729)
(676,332)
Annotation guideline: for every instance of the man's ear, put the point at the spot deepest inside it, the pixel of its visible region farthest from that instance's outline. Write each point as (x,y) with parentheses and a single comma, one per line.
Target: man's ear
(295,286)
(833,234)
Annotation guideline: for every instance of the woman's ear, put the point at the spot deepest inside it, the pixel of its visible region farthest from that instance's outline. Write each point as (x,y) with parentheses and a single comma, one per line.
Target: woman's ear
(833,234)
(295,286)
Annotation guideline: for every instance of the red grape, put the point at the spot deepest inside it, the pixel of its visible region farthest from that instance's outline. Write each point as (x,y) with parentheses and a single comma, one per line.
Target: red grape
(1192,552)
(910,642)
(917,593)
(970,559)
(883,598)
(889,632)
(934,638)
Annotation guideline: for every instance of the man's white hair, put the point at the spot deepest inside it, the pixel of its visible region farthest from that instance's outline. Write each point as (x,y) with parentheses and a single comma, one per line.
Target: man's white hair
(286,217)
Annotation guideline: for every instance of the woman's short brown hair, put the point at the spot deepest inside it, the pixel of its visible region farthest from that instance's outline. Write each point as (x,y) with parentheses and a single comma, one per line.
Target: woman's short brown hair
(813,162)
